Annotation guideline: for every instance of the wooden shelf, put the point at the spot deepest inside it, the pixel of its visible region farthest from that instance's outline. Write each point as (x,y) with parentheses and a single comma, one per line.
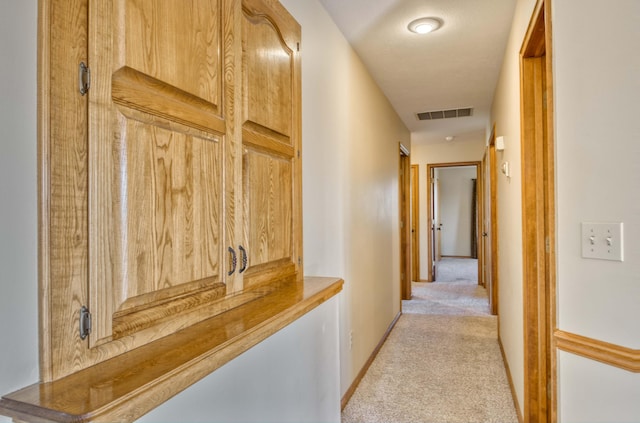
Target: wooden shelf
(131,384)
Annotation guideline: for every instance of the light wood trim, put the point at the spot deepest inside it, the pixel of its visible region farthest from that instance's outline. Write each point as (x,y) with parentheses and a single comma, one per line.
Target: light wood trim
(480,220)
(538,217)
(415,224)
(551,212)
(354,385)
(430,276)
(269,271)
(261,142)
(493,192)
(62,237)
(594,349)
(135,90)
(431,166)
(43,135)
(404,179)
(512,387)
(128,386)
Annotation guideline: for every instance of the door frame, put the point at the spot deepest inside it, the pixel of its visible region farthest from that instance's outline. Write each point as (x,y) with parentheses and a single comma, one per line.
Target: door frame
(404,182)
(430,230)
(538,218)
(415,223)
(481,220)
(494,282)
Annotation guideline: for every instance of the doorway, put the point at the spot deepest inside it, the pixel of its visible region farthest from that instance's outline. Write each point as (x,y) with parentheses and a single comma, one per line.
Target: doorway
(404,191)
(452,214)
(415,223)
(489,263)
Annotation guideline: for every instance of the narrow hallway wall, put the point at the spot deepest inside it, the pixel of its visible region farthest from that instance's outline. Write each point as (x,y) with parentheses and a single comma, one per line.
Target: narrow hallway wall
(505,114)
(350,138)
(597,86)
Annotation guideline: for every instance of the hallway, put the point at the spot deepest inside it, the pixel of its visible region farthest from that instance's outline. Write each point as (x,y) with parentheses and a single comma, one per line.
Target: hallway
(441,363)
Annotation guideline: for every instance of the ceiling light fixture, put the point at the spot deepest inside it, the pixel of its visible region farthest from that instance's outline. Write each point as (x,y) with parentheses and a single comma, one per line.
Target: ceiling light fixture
(449,138)
(424,25)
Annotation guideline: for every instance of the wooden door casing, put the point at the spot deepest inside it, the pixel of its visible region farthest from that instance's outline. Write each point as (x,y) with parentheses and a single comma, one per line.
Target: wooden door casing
(404,178)
(415,223)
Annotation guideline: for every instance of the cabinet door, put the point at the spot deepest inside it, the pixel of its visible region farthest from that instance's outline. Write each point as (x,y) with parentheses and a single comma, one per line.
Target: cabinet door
(157,132)
(271,142)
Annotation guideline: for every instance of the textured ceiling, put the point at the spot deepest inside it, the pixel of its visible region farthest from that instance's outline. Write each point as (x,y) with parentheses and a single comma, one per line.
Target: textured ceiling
(454,67)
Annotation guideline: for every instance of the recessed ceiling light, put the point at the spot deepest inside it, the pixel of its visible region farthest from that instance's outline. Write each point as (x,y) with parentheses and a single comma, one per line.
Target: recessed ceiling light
(424,25)
(449,138)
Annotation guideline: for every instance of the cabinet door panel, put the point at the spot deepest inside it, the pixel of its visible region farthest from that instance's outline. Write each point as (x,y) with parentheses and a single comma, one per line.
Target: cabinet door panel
(271,141)
(268,205)
(156,135)
(174,41)
(172,212)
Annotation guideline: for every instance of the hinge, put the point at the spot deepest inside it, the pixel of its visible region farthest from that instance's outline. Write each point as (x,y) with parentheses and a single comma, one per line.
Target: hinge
(298,153)
(84,78)
(298,46)
(299,261)
(85,322)
(547,245)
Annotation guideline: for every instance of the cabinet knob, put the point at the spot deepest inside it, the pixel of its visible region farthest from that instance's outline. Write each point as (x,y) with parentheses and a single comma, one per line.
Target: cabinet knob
(234,261)
(244,259)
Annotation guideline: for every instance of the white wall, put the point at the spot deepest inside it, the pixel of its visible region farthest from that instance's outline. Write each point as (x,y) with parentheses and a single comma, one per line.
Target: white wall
(272,382)
(18,224)
(423,154)
(505,113)
(456,207)
(350,184)
(597,87)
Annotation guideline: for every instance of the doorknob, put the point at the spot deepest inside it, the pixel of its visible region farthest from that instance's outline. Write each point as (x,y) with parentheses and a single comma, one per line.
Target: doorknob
(485,234)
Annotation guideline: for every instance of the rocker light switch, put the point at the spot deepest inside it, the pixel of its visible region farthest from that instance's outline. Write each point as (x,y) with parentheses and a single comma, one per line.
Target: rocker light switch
(602,241)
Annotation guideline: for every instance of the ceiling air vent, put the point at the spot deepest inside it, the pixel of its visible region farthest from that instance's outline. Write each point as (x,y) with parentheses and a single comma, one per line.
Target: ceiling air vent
(445,114)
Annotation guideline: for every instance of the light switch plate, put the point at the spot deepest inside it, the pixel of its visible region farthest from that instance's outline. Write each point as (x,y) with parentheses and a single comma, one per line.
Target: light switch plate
(602,241)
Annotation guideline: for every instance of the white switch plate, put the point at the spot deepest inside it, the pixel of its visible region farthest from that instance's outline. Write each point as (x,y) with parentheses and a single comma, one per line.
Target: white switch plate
(602,241)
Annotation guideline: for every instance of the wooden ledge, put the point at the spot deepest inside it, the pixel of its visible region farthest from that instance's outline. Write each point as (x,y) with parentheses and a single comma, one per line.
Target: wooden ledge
(128,386)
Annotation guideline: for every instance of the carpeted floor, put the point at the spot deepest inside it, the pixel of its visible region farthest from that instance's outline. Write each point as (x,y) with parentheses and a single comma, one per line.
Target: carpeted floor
(456,269)
(440,364)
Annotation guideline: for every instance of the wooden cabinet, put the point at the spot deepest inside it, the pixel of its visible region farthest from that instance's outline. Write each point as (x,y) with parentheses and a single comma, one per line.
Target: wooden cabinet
(172,188)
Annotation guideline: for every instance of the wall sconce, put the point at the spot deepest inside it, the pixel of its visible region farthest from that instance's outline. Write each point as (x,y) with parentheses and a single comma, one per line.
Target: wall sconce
(499,143)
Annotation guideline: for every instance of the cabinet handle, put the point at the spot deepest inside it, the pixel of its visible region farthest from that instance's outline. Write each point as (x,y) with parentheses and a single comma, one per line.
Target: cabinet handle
(244,259)
(234,261)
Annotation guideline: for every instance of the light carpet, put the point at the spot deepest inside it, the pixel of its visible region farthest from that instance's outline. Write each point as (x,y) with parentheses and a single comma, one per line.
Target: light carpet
(440,364)
(455,269)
